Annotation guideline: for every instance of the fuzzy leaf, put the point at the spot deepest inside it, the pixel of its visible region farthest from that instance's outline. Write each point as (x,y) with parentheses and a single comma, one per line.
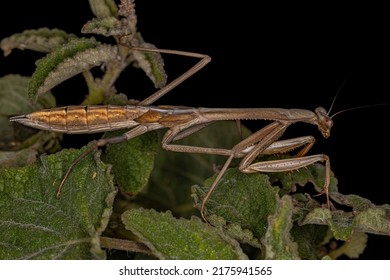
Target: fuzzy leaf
(338,221)
(244,199)
(277,241)
(132,161)
(103,8)
(373,219)
(356,202)
(34,224)
(309,239)
(236,231)
(41,40)
(67,61)
(107,26)
(152,63)
(353,247)
(171,238)
(112,25)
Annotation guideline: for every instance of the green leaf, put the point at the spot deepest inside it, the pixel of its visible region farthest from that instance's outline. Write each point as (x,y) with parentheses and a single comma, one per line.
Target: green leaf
(103,8)
(34,224)
(356,202)
(309,239)
(41,40)
(236,232)
(277,241)
(352,248)
(151,62)
(67,61)
(132,161)
(171,238)
(338,221)
(372,219)
(107,26)
(375,220)
(244,199)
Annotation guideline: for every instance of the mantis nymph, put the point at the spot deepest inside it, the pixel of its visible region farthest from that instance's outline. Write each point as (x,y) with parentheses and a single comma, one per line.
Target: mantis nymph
(183,121)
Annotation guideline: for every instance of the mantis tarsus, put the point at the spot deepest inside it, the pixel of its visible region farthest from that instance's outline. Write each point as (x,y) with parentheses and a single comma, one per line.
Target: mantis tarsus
(184,121)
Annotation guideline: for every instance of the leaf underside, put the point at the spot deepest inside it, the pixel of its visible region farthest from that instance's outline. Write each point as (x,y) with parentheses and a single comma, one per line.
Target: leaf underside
(41,40)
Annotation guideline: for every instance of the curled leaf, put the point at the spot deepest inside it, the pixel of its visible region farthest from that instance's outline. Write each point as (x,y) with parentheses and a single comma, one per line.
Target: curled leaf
(41,40)
(67,61)
(352,248)
(107,26)
(151,62)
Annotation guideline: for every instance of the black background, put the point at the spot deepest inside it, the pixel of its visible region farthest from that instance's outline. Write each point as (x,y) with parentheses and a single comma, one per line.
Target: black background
(290,56)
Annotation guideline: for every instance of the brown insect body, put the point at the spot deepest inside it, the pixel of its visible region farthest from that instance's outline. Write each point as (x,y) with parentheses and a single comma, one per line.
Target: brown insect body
(184,121)
(94,119)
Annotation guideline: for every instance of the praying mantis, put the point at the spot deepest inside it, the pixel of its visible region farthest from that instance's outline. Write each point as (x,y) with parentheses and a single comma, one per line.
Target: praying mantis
(181,122)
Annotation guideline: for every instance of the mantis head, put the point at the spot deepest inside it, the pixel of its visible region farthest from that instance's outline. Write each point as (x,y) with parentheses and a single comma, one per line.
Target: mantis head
(324,122)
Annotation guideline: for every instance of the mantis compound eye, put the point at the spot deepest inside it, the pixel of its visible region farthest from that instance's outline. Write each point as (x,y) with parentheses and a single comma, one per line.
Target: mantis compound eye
(329,123)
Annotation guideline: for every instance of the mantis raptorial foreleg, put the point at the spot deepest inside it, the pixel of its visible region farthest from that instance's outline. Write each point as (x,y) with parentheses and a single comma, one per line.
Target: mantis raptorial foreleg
(261,142)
